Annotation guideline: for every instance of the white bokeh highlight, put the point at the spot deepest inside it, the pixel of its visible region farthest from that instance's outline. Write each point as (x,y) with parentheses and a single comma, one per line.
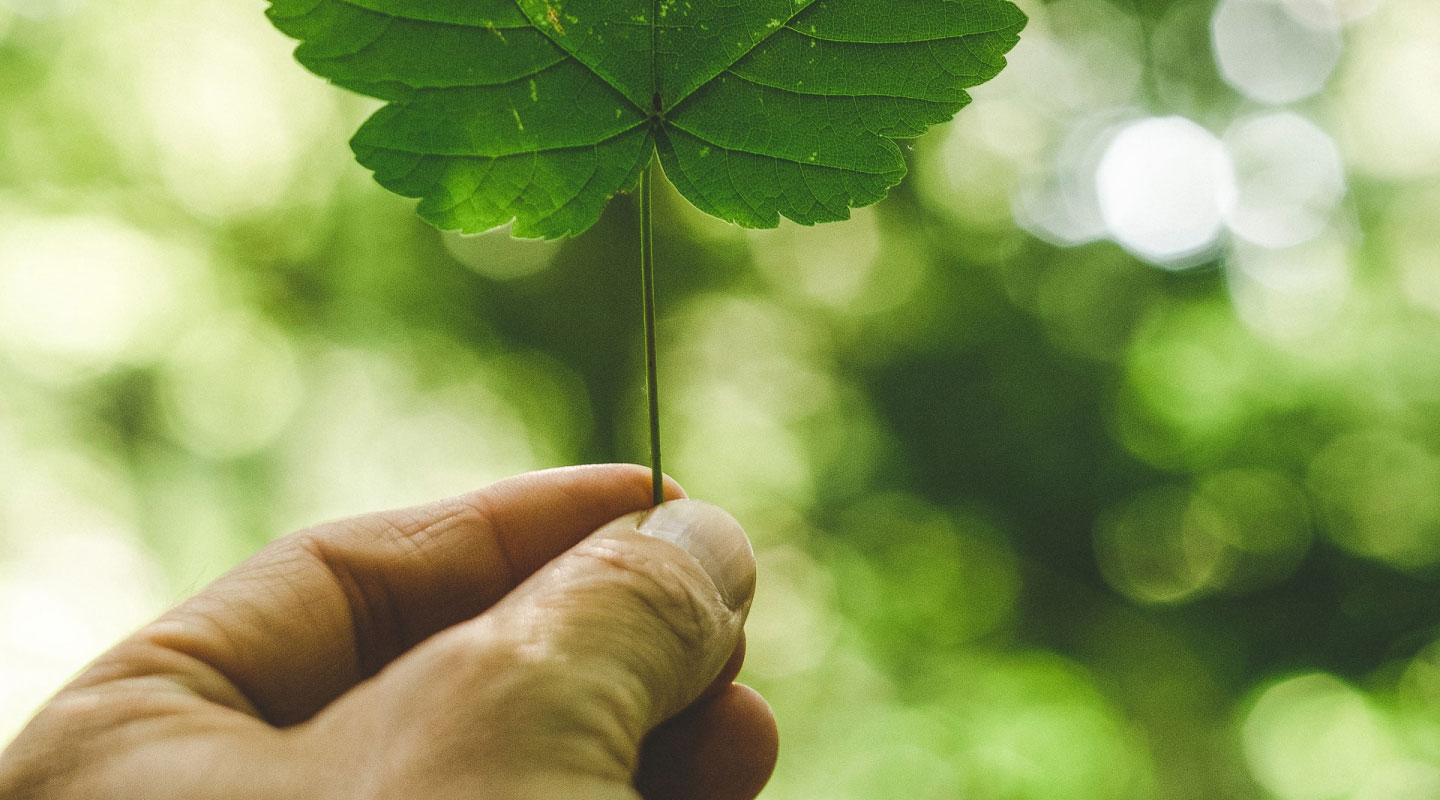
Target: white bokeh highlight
(1058,203)
(1271,55)
(82,292)
(1165,186)
(1289,176)
(1332,14)
(1388,120)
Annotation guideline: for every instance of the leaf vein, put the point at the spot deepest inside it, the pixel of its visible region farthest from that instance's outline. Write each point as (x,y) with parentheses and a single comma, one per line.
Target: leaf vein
(726,149)
(536,150)
(678,100)
(840,95)
(902,42)
(620,90)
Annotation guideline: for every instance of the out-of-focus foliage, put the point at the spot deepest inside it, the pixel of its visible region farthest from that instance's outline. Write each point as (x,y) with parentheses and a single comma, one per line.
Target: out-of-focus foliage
(1102,461)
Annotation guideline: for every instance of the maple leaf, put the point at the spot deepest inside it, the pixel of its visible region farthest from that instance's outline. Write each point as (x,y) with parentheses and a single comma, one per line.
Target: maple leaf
(539,111)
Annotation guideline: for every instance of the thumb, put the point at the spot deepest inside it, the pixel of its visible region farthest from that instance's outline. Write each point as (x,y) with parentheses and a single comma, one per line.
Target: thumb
(647,610)
(564,677)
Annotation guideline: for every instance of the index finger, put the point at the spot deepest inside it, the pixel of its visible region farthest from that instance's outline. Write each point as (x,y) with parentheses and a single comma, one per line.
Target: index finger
(314,613)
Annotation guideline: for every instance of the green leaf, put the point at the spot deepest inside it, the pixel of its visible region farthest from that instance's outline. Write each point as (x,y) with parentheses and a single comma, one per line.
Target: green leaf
(540,111)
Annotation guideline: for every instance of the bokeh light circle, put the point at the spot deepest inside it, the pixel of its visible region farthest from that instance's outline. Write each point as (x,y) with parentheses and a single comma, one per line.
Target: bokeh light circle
(1165,185)
(1386,98)
(1375,494)
(1159,546)
(82,292)
(1289,178)
(1269,54)
(1290,294)
(1331,14)
(1264,525)
(1312,737)
(229,388)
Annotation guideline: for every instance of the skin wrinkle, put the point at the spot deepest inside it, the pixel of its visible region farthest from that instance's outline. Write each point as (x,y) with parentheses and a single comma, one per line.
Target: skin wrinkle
(618,729)
(617,739)
(422,540)
(379,629)
(562,721)
(196,631)
(484,509)
(367,640)
(123,719)
(583,708)
(659,596)
(337,668)
(192,676)
(193,645)
(662,587)
(639,495)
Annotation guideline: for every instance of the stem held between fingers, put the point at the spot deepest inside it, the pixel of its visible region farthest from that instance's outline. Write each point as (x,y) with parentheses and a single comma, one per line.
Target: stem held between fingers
(652,383)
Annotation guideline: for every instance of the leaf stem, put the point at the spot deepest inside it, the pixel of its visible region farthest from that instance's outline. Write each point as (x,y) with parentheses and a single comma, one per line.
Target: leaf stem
(652,382)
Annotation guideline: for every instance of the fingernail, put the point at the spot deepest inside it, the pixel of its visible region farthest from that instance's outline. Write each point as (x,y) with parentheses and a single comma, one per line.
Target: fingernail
(714,538)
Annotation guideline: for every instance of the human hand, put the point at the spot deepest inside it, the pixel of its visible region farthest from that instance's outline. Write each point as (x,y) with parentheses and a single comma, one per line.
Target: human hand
(525,641)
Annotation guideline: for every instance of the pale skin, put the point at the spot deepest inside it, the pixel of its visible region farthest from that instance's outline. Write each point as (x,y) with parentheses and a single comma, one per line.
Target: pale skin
(548,636)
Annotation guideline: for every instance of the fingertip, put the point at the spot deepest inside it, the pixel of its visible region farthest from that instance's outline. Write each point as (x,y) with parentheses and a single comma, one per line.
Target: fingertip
(634,479)
(725,749)
(673,489)
(766,732)
(640,478)
(727,673)
(714,539)
(765,741)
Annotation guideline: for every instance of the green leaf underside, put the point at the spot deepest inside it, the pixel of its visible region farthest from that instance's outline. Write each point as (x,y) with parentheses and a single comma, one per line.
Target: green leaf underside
(539,112)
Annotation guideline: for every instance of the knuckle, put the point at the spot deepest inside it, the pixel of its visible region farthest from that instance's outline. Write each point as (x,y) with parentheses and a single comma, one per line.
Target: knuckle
(523,696)
(644,575)
(413,529)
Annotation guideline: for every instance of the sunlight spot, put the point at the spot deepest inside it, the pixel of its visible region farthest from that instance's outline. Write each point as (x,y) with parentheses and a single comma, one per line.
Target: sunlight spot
(1290,178)
(1164,185)
(1312,737)
(229,387)
(1390,121)
(1323,14)
(1374,492)
(39,9)
(498,255)
(72,582)
(82,292)
(1269,55)
(794,622)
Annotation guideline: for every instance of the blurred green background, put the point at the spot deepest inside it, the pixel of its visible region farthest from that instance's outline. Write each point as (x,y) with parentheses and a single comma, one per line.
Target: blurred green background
(1101,461)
